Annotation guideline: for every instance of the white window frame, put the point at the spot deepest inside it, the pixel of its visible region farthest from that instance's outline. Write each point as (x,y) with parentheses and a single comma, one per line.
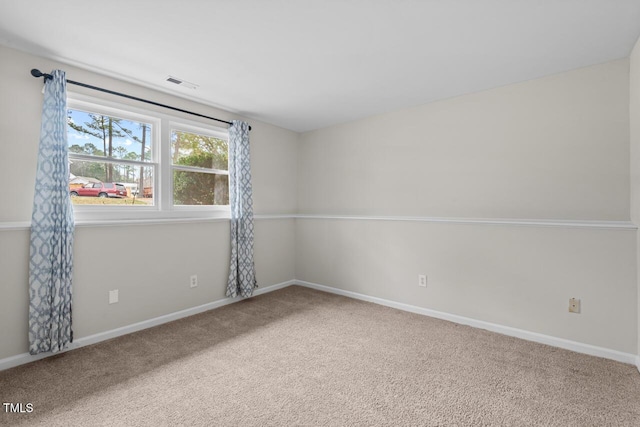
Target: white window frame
(162,125)
(184,126)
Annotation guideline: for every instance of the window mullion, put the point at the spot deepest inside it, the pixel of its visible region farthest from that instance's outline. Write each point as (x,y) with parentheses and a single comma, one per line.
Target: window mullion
(107,159)
(164,185)
(200,170)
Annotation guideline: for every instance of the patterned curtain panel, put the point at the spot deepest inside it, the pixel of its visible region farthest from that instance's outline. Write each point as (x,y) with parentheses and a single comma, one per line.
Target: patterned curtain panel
(242,274)
(51,249)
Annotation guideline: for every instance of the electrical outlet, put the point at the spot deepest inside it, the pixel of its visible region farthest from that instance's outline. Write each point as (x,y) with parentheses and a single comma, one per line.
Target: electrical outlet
(574,305)
(113,296)
(194,281)
(422,280)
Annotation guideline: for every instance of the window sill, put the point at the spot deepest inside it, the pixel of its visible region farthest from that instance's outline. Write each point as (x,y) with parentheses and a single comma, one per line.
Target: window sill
(26,225)
(116,216)
(146,221)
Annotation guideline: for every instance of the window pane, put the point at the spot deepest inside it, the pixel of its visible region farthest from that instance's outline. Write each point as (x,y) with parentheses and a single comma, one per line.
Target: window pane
(104,136)
(196,188)
(131,184)
(190,149)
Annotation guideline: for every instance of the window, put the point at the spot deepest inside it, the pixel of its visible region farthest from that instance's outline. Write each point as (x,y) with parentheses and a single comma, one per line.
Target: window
(128,163)
(105,151)
(200,169)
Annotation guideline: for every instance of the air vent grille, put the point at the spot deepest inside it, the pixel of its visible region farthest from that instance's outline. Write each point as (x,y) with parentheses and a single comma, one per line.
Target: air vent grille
(183,83)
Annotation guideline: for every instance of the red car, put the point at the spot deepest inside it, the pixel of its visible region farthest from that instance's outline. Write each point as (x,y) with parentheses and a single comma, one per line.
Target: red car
(101,189)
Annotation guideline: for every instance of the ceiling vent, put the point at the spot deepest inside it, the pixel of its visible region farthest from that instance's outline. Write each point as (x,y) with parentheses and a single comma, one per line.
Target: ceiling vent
(181,82)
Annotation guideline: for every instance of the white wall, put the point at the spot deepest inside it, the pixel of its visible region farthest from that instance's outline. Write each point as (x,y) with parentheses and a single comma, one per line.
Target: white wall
(170,253)
(552,148)
(634,110)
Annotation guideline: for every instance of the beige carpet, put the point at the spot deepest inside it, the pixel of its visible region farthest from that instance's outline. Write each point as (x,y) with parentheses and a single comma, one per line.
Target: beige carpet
(302,357)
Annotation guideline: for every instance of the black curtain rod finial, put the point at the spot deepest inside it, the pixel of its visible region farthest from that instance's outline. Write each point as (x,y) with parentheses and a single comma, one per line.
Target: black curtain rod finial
(37,73)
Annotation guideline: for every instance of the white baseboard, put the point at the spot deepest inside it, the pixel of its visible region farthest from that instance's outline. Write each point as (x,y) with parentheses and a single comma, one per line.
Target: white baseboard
(21,359)
(504,330)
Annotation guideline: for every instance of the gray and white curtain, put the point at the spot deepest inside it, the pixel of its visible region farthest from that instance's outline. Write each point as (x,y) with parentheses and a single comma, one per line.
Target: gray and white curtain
(242,273)
(51,248)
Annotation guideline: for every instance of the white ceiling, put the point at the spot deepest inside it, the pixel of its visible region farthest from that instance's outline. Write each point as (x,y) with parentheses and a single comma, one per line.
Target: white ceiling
(307,64)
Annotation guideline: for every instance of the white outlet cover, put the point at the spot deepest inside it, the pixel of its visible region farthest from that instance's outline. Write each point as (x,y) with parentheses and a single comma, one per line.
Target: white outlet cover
(113,296)
(574,305)
(422,280)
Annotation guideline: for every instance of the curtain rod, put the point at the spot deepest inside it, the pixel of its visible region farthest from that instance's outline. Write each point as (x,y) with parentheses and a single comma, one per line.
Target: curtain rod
(37,73)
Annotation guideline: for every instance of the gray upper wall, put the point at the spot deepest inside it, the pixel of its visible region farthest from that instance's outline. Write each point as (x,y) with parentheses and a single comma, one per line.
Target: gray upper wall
(551,148)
